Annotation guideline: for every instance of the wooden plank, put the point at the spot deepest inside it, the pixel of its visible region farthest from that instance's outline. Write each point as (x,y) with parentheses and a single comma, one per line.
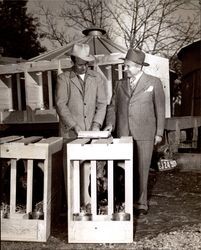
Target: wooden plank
(29,185)
(34,66)
(19,230)
(99,151)
(101,232)
(11,138)
(93,134)
(110,187)
(21,151)
(185,122)
(93,188)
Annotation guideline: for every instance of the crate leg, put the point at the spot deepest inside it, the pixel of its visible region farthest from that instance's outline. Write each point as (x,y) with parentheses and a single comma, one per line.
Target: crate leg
(128,187)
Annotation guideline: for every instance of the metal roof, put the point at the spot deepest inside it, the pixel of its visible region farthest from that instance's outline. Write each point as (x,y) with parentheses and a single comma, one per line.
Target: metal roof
(95,37)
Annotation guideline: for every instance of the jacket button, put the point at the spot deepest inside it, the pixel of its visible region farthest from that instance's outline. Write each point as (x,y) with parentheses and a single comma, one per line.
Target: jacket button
(85,116)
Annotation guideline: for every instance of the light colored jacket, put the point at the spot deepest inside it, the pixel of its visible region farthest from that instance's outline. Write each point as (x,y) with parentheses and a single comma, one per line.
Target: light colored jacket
(140,113)
(78,106)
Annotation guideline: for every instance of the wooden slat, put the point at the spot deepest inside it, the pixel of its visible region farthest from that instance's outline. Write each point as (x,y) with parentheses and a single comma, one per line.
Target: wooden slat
(103,141)
(110,187)
(29,185)
(49,140)
(30,139)
(11,138)
(93,188)
(76,186)
(13,178)
(81,141)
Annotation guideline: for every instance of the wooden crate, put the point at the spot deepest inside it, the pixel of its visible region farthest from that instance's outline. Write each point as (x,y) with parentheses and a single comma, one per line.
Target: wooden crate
(18,226)
(101,228)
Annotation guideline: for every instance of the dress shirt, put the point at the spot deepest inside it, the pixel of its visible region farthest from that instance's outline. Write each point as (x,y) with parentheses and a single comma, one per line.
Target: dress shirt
(134,80)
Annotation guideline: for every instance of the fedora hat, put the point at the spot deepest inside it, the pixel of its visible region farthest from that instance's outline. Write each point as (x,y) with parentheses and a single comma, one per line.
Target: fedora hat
(81,50)
(136,56)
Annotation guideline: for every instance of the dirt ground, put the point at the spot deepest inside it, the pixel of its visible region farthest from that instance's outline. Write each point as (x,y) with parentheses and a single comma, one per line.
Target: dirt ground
(173,221)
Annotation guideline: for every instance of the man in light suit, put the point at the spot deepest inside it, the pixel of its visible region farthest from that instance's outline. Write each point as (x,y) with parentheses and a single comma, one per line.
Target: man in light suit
(137,109)
(80,95)
(80,98)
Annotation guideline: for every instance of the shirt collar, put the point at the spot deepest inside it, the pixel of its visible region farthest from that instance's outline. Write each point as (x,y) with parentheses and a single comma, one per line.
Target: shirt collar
(137,76)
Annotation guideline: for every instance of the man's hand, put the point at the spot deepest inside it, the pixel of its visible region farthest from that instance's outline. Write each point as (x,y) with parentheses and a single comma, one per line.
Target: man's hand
(77,129)
(108,128)
(95,126)
(157,139)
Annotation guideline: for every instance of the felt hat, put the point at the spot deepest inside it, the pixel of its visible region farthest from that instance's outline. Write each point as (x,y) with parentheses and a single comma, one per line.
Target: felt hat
(136,56)
(81,50)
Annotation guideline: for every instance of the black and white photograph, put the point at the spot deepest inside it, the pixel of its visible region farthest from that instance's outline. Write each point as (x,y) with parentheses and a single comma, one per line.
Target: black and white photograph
(100,124)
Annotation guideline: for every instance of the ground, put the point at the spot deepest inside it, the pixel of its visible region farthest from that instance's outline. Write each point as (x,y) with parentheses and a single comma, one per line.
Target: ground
(173,221)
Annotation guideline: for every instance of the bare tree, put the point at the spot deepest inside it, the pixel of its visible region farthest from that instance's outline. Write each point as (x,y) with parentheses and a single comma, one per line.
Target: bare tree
(159,26)
(75,16)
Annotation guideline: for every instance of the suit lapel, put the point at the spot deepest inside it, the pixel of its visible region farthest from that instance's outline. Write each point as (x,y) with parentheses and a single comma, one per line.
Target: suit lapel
(141,85)
(126,87)
(76,82)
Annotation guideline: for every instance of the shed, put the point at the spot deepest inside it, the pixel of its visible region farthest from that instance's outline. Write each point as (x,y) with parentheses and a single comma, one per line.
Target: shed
(190,57)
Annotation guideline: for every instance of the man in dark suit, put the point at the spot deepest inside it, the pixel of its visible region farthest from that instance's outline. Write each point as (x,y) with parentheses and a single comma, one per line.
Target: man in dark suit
(137,109)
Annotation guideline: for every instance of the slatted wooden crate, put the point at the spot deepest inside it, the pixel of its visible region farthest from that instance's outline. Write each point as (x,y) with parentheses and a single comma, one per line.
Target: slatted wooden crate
(99,228)
(19,226)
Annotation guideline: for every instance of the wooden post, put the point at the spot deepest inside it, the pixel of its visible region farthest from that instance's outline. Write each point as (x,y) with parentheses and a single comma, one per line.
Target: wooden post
(19,97)
(109,83)
(41,98)
(50,96)
(9,81)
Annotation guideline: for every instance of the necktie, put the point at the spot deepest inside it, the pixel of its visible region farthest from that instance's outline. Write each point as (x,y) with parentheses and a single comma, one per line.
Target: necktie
(132,83)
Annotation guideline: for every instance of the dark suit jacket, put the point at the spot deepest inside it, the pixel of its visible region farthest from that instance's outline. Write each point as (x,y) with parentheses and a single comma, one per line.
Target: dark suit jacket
(140,113)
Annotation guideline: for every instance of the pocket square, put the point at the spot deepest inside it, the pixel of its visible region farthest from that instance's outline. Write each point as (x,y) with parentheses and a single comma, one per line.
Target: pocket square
(149,89)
